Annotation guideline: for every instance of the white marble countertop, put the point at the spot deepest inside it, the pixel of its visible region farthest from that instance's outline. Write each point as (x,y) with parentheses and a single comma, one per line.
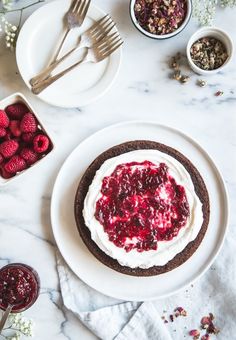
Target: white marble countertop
(143,90)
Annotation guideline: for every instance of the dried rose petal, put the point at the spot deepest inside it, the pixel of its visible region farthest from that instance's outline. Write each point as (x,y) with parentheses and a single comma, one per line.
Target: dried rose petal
(205,321)
(160,17)
(180,311)
(195,333)
(211,316)
(205,337)
(219,93)
(212,329)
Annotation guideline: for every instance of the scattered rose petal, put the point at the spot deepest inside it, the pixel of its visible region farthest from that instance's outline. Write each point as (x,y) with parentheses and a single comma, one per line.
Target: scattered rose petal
(195,333)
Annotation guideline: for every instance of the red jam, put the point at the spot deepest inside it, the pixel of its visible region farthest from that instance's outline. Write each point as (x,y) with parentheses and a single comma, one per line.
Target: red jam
(141,204)
(19,286)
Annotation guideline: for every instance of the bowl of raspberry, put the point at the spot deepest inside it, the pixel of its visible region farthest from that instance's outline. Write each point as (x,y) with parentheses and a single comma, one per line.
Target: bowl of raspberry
(160,19)
(24,142)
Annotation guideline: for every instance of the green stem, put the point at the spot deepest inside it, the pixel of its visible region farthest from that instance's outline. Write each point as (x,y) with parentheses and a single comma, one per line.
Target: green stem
(19,23)
(21,9)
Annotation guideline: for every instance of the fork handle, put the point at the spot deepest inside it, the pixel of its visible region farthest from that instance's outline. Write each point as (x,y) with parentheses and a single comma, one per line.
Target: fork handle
(60,46)
(45,83)
(46,72)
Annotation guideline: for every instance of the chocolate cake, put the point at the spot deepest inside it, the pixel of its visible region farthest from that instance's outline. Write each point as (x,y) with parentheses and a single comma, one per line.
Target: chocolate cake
(150,241)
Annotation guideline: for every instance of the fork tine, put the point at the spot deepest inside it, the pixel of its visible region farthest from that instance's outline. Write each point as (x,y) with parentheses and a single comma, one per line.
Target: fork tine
(77,5)
(108,39)
(95,26)
(108,47)
(112,49)
(85,9)
(105,25)
(109,44)
(100,33)
(73,4)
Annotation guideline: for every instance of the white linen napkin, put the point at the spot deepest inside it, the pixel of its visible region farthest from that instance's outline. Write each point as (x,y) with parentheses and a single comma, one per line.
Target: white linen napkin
(106,317)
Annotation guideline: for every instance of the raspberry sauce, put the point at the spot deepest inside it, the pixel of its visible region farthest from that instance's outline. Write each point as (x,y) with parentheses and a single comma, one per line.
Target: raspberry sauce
(141,204)
(19,286)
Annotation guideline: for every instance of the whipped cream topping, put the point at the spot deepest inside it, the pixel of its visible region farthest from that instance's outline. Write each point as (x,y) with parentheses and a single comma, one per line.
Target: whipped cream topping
(166,249)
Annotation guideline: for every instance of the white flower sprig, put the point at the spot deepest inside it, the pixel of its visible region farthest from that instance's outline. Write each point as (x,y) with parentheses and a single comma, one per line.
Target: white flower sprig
(204,10)
(18,325)
(10,30)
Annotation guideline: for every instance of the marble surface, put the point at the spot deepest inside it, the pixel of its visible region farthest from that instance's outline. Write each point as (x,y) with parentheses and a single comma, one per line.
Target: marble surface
(143,90)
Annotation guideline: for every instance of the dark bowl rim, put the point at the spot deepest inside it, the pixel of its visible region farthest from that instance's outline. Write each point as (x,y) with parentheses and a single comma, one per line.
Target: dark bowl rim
(156,37)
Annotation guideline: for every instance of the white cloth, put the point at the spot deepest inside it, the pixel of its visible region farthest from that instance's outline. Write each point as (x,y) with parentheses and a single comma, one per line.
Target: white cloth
(108,318)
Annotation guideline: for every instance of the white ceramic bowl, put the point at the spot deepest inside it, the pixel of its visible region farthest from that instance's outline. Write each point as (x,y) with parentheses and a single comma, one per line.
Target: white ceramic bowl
(16,98)
(164,36)
(215,33)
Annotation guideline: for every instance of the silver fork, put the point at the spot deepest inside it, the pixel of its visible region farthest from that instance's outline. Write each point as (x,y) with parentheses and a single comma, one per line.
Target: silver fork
(90,37)
(95,54)
(74,18)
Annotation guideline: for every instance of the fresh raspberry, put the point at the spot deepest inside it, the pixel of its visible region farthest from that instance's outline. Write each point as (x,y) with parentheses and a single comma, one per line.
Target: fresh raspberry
(8,148)
(15,128)
(4,120)
(15,164)
(5,174)
(1,158)
(41,143)
(28,123)
(16,111)
(8,135)
(3,132)
(27,137)
(29,156)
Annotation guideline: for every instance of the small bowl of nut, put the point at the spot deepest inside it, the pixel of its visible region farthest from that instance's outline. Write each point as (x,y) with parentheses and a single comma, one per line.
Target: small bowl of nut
(209,50)
(160,19)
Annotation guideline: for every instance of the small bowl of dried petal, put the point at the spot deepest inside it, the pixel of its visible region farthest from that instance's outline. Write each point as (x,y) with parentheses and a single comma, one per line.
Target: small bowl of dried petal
(161,19)
(209,50)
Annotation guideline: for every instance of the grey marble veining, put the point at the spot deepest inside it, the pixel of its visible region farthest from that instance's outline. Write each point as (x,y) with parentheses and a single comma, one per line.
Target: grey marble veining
(143,90)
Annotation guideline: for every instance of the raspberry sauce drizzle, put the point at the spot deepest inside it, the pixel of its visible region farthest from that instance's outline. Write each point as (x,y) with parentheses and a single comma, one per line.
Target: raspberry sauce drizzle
(141,204)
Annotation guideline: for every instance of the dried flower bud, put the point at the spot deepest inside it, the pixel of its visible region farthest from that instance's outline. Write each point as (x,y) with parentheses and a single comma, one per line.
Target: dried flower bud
(177,75)
(184,79)
(201,83)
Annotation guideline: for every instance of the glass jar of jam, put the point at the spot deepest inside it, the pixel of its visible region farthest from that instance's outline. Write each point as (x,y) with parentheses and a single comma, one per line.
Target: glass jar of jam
(19,287)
